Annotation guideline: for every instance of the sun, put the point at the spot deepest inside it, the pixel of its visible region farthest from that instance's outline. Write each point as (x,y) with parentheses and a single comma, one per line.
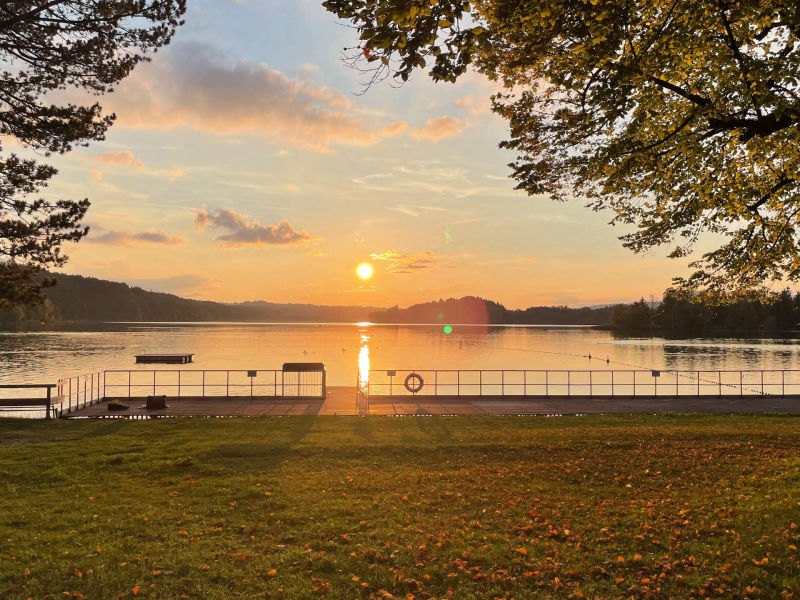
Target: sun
(364,270)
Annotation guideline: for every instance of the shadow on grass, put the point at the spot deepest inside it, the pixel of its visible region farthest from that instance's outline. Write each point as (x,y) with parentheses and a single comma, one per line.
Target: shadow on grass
(436,428)
(264,456)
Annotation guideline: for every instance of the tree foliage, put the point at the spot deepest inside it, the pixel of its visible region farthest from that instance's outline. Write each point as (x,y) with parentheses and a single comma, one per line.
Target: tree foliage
(680,116)
(47,47)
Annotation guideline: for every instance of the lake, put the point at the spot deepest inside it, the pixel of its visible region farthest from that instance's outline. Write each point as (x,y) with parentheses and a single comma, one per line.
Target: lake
(40,357)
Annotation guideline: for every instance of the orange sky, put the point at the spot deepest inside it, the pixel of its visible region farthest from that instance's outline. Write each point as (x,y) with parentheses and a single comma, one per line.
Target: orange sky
(246,168)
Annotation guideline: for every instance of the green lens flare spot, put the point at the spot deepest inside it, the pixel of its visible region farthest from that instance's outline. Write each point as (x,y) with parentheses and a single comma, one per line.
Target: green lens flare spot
(448,329)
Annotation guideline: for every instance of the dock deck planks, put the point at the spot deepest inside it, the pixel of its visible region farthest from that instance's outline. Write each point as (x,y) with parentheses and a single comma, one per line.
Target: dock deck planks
(341,401)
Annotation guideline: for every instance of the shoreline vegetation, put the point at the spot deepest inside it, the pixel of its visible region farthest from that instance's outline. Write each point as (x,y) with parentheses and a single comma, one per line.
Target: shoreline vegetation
(76,299)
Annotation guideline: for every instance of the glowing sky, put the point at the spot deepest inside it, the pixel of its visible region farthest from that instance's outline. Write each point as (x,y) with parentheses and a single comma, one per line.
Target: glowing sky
(244,166)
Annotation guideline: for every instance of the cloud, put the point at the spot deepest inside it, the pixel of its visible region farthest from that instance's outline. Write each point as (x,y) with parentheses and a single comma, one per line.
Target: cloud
(473,104)
(439,129)
(291,187)
(415,210)
(125,159)
(111,237)
(242,232)
(407,263)
(315,253)
(397,128)
(191,86)
(120,158)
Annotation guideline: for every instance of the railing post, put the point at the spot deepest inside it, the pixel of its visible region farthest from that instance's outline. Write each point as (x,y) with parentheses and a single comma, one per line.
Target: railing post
(480,383)
(762,382)
(741,383)
(179,384)
(70,395)
(634,383)
(698,384)
(458,383)
(48,401)
(655,385)
(203,386)
(525,384)
(91,396)
(612,383)
(547,384)
(590,384)
(569,389)
(435,384)
(677,386)
(783,383)
(129,384)
(502,383)
(719,379)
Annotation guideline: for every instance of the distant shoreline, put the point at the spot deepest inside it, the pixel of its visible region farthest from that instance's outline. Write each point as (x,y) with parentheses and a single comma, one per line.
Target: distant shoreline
(96,325)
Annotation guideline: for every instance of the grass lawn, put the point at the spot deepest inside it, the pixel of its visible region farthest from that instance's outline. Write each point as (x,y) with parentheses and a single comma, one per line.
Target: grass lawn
(425,507)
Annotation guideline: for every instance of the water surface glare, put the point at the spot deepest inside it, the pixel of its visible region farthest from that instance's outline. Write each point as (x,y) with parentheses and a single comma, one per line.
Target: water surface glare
(42,357)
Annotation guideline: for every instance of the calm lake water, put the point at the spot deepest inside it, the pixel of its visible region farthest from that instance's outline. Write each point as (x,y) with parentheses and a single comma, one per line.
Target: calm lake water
(41,357)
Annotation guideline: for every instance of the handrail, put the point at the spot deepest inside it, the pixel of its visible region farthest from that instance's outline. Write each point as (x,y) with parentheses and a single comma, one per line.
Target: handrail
(522,383)
(277,383)
(46,402)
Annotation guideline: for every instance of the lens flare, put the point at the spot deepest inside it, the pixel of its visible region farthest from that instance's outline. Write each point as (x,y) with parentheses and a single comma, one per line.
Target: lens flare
(364,270)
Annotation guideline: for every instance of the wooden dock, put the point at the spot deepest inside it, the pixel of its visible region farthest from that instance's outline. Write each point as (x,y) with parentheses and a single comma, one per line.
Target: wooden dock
(341,401)
(168,359)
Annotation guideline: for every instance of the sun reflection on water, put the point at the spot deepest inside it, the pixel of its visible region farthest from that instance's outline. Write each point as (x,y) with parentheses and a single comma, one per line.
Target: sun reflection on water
(363,361)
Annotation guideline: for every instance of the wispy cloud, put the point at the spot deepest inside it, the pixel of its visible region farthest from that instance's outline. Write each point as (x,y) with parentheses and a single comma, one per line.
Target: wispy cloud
(100,235)
(125,159)
(407,263)
(415,210)
(242,232)
(191,86)
(474,105)
(439,129)
(394,129)
(120,158)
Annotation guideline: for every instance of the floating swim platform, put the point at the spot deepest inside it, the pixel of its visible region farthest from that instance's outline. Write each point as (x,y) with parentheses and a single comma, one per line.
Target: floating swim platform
(171,359)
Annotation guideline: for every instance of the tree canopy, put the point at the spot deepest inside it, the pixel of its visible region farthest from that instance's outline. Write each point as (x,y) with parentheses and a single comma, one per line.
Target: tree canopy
(47,47)
(680,116)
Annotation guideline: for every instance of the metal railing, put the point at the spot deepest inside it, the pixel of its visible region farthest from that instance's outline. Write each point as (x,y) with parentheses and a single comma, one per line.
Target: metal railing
(587,383)
(216,383)
(80,391)
(20,406)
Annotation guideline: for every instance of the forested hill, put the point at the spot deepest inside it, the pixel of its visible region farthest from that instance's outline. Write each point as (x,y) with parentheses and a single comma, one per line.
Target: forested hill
(477,310)
(83,299)
(77,298)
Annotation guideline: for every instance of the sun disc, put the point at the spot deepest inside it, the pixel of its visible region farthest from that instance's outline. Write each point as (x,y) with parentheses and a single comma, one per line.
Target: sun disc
(364,270)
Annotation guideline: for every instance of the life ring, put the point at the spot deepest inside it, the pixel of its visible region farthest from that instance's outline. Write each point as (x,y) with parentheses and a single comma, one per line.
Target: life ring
(414,377)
